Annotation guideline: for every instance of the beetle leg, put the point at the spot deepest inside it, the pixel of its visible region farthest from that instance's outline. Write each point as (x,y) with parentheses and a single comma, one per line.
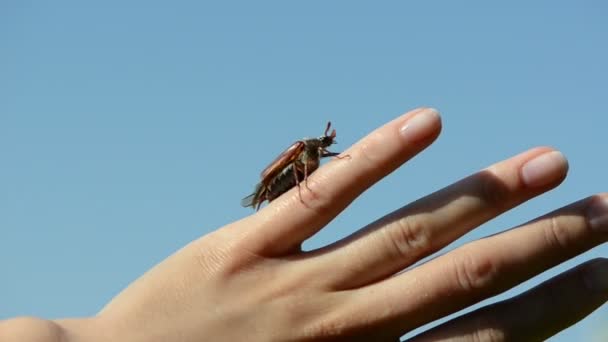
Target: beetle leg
(294,168)
(326,153)
(305,174)
(260,197)
(329,154)
(295,176)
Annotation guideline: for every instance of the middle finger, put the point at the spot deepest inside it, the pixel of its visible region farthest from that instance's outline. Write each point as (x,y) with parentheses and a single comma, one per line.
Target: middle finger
(409,234)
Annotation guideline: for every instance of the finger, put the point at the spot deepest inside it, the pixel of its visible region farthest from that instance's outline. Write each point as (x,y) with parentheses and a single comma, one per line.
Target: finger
(534,315)
(286,222)
(425,226)
(488,266)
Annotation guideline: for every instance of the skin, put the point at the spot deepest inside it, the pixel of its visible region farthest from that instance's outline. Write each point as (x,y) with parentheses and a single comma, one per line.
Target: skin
(249,280)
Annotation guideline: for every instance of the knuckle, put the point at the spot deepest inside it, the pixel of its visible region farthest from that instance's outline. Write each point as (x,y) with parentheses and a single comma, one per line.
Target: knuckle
(488,328)
(474,272)
(368,149)
(216,257)
(557,233)
(373,156)
(329,324)
(493,192)
(408,237)
(328,327)
(488,335)
(211,261)
(313,195)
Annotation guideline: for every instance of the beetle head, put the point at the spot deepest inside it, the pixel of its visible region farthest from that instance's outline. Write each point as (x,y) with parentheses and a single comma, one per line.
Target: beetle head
(327,140)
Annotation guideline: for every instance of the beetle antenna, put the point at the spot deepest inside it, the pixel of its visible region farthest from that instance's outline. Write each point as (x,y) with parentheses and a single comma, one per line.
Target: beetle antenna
(327,128)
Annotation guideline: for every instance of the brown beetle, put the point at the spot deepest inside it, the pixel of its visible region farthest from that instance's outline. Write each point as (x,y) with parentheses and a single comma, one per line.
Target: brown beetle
(290,168)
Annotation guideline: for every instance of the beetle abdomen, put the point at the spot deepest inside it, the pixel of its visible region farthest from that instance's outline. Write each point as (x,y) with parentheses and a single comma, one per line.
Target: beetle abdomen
(284,181)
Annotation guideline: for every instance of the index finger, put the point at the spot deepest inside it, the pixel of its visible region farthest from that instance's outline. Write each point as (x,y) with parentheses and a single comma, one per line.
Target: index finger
(285,223)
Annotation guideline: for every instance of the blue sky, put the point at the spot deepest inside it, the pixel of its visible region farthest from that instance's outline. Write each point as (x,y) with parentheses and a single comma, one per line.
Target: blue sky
(128,129)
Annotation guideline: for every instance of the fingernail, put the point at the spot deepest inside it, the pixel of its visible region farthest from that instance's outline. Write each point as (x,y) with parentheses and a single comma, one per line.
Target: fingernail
(596,276)
(597,214)
(421,125)
(544,169)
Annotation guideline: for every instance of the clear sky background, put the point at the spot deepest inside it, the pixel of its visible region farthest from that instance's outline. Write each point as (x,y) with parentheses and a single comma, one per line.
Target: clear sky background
(129,128)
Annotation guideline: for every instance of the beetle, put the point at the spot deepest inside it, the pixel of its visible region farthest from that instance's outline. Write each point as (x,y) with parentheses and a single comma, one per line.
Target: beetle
(290,168)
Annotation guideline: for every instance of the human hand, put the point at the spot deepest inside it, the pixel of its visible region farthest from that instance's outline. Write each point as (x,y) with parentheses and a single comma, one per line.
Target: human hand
(251,281)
